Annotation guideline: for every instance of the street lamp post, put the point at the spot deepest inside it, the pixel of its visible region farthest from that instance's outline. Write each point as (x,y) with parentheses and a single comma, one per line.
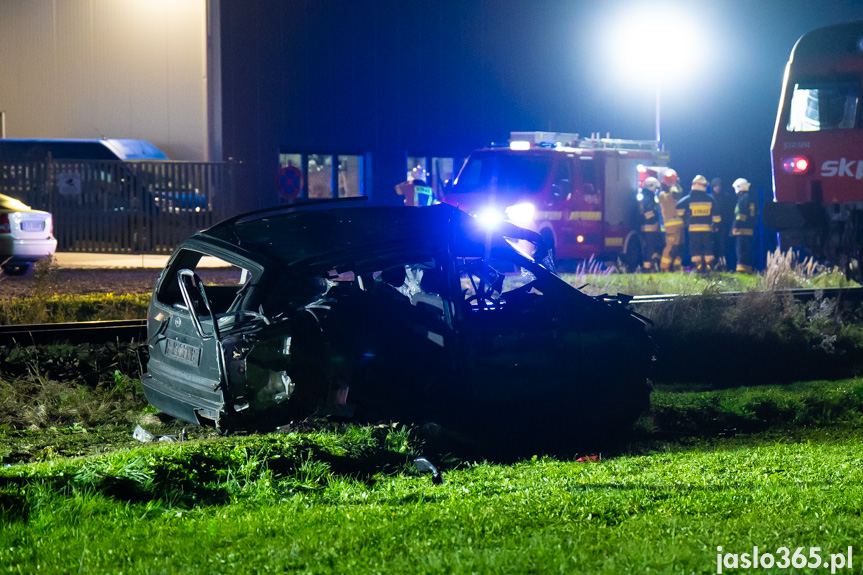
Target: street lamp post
(658,112)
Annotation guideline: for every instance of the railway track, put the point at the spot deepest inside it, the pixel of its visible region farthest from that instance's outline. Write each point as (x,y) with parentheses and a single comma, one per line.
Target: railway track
(847,295)
(98,332)
(94,332)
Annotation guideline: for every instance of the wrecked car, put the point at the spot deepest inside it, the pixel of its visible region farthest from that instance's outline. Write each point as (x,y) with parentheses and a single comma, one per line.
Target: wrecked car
(412,314)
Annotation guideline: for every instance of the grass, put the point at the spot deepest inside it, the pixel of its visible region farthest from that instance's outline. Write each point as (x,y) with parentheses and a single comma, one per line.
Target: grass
(68,308)
(783,270)
(347,499)
(289,504)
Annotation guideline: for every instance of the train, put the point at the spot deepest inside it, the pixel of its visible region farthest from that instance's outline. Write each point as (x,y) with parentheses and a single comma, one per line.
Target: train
(817,150)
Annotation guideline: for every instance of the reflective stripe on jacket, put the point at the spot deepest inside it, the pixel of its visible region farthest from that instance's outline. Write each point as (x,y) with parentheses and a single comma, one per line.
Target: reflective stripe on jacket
(698,210)
(744,216)
(668,207)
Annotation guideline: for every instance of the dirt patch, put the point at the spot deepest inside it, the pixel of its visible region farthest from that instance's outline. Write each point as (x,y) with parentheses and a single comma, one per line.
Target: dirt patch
(79,282)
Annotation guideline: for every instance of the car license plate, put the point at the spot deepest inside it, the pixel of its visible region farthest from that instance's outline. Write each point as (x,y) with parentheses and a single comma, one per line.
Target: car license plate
(32,225)
(182,351)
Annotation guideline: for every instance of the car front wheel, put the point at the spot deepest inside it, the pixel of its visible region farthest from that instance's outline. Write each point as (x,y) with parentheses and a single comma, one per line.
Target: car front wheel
(18,269)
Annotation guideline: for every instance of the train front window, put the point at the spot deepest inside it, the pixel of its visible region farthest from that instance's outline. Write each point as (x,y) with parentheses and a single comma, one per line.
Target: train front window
(818,105)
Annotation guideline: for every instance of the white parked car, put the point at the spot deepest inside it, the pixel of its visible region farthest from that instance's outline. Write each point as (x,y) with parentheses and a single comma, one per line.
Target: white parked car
(25,235)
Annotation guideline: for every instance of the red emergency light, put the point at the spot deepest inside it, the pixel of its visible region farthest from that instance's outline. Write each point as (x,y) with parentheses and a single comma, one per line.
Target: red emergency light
(797,165)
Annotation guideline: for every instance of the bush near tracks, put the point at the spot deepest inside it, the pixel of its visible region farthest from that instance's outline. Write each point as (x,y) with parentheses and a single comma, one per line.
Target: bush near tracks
(758,337)
(763,336)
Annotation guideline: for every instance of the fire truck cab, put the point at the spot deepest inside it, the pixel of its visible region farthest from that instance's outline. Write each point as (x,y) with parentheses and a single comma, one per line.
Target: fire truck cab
(578,193)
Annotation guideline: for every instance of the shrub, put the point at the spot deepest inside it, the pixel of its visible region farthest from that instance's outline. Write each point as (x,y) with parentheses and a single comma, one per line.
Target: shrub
(757,337)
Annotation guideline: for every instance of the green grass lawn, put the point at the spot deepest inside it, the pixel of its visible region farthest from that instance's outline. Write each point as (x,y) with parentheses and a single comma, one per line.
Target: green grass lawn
(350,502)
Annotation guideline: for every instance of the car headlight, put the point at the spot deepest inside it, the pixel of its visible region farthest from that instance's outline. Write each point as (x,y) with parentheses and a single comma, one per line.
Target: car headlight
(521,214)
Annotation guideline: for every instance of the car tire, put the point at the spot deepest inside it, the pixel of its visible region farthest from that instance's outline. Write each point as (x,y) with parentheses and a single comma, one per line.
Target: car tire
(16,269)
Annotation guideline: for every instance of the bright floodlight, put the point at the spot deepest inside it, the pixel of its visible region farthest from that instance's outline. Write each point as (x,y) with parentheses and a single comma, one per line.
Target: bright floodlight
(658,42)
(519,145)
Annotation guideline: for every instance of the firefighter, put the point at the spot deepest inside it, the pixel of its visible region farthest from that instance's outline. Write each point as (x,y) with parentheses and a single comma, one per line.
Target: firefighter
(649,215)
(672,222)
(701,219)
(415,192)
(671,187)
(723,203)
(744,224)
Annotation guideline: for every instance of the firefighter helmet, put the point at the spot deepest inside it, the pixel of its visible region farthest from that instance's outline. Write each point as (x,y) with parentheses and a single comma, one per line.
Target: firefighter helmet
(740,185)
(669,178)
(699,183)
(650,184)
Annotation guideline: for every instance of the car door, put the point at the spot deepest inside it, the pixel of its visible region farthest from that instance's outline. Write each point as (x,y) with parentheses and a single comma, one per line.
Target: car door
(186,371)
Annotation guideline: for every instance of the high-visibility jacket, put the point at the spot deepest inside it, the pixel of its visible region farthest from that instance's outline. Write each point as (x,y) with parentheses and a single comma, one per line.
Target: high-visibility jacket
(744,216)
(668,207)
(648,210)
(676,192)
(699,211)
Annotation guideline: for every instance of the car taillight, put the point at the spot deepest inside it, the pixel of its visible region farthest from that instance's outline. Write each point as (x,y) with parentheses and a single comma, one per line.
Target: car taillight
(797,165)
(5,226)
(49,225)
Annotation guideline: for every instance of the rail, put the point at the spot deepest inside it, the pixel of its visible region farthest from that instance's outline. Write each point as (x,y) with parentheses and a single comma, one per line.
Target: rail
(801,294)
(98,332)
(95,332)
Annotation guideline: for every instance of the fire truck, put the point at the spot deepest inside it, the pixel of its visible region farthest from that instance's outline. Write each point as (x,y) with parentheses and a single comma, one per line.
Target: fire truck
(578,193)
(817,149)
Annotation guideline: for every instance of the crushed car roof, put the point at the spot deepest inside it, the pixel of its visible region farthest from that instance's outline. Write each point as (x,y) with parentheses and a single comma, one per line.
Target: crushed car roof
(317,232)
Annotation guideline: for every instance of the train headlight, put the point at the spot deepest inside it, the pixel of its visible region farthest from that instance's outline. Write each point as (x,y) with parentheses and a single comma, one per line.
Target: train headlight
(490,218)
(521,214)
(796,165)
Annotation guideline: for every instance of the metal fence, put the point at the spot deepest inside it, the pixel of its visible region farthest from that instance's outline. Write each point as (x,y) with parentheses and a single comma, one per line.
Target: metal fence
(121,207)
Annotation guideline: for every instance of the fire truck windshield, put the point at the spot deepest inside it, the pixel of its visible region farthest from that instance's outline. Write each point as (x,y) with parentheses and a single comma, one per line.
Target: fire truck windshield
(524,173)
(823,105)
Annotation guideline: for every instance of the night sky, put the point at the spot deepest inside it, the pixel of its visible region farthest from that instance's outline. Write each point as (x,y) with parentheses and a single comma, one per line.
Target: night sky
(717,114)
(398,78)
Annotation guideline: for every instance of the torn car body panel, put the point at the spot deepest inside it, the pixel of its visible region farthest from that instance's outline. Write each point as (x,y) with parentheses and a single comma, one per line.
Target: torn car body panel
(413,314)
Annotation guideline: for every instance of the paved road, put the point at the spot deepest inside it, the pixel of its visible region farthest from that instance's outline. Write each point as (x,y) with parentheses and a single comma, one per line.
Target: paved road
(78,260)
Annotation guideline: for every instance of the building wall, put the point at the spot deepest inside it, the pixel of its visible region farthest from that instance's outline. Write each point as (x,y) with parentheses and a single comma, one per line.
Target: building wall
(390,78)
(112,68)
